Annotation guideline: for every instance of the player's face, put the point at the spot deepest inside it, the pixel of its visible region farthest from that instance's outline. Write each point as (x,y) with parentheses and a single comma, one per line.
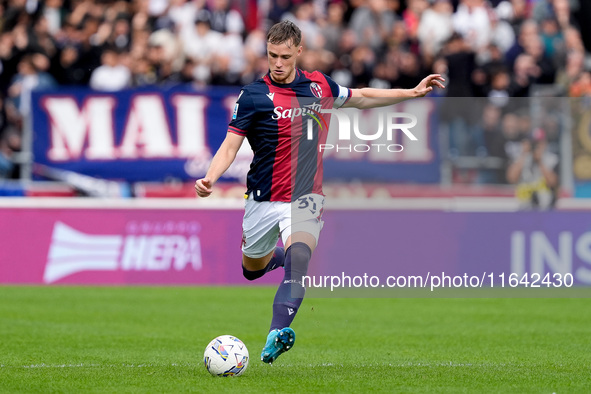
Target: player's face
(282,61)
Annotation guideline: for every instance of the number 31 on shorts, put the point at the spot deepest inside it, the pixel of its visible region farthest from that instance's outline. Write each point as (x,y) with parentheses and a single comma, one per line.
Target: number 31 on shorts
(310,206)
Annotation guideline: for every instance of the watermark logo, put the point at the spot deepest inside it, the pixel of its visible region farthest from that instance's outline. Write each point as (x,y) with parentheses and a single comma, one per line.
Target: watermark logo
(348,125)
(355,132)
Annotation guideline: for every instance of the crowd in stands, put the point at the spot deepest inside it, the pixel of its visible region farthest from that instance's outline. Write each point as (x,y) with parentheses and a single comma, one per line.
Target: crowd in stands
(485,48)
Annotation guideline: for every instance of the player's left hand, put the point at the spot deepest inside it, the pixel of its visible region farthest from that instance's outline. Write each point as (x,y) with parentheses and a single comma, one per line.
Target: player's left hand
(428,83)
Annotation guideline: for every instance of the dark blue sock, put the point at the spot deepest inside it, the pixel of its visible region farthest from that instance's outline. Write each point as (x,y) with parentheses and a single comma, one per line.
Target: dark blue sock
(290,293)
(276,261)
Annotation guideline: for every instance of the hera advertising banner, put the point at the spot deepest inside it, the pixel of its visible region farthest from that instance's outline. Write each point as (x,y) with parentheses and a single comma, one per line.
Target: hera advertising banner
(163,134)
(120,246)
(202,246)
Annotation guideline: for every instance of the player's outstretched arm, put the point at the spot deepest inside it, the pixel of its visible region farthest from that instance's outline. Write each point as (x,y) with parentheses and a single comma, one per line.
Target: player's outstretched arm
(372,98)
(219,164)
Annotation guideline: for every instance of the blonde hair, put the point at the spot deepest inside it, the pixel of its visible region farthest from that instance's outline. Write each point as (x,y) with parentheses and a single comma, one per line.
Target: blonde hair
(284,32)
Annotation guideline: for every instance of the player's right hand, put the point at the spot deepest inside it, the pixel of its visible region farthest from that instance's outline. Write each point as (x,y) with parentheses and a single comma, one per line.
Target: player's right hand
(203,187)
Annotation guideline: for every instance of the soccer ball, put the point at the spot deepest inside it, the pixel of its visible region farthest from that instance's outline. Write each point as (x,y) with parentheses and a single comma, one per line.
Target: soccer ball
(226,355)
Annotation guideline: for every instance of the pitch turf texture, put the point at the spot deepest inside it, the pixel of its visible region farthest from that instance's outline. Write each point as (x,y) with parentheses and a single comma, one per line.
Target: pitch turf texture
(151,339)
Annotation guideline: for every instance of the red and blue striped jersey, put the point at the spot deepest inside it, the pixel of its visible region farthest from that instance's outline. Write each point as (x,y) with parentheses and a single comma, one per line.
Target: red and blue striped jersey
(274,118)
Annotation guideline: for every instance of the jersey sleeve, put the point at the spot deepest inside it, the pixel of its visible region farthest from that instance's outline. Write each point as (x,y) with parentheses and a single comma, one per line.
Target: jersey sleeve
(341,93)
(243,114)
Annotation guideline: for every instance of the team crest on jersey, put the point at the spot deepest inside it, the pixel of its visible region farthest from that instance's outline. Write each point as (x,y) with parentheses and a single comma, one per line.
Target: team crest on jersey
(316,90)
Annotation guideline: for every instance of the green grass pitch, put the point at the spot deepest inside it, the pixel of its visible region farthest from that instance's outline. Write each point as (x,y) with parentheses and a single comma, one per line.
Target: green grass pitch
(151,339)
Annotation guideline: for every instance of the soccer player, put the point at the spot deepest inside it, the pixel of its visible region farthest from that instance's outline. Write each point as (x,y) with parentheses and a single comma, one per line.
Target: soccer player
(284,177)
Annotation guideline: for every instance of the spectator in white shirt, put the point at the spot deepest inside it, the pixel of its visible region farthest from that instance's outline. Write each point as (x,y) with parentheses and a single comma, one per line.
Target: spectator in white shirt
(436,26)
(204,46)
(472,21)
(111,75)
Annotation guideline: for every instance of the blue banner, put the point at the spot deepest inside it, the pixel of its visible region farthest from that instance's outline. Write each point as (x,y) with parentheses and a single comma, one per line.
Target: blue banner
(172,134)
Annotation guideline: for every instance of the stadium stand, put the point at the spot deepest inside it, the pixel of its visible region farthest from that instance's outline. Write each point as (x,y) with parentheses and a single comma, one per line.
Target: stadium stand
(496,50)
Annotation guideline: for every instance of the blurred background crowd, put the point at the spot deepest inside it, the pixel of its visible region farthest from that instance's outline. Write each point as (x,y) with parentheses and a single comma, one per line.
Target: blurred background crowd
(493,49)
